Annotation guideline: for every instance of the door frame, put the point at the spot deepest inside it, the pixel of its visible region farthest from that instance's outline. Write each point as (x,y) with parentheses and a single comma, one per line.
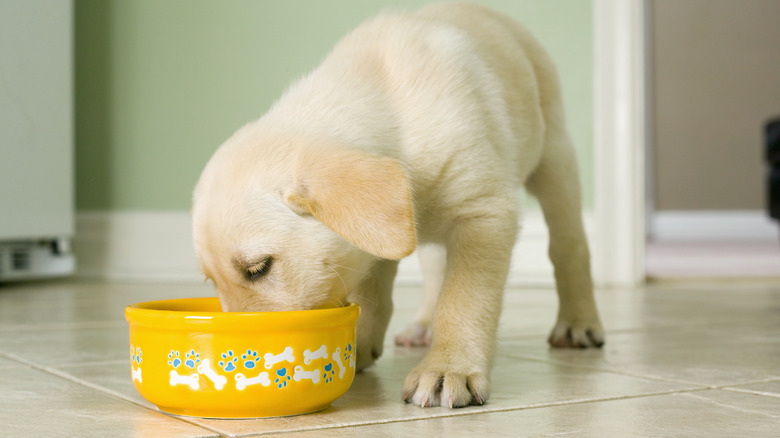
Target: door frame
(620,139)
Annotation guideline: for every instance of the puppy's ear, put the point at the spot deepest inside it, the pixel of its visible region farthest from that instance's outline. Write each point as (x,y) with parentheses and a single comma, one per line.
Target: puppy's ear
(364,198)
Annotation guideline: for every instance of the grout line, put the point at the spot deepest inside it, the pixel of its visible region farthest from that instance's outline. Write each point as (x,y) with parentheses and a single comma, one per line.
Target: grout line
(753,392)
(735,387)
(110,392)
(730,406)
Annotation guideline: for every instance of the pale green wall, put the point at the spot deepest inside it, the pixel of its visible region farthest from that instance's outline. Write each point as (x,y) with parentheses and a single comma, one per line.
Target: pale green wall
(161,83)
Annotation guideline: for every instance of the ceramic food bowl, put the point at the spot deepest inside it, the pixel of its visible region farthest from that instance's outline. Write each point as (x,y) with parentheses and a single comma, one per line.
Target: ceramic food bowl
(190,358)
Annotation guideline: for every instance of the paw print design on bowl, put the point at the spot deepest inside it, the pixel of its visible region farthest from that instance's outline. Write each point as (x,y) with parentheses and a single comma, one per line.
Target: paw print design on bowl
(283,378)
(173,359)
(329,372)
(136,355)
(348,355)
(191,359)
(337,365)
(250,359)
(229,361)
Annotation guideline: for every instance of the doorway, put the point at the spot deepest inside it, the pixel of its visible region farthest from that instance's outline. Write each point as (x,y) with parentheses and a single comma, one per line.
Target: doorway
(712,86)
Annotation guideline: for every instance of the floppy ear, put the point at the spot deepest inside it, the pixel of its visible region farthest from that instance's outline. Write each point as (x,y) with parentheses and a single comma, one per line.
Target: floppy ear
(364,198)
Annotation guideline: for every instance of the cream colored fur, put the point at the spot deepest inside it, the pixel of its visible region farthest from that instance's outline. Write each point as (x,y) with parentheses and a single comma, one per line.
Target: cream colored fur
(417,128)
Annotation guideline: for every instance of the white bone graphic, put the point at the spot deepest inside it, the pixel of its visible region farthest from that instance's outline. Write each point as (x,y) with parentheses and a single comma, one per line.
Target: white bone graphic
(191,380)
(205,369)
(271,360)
(136,373)
(314,375)
(352,361)
(320,353)
(337,357)
(243,381)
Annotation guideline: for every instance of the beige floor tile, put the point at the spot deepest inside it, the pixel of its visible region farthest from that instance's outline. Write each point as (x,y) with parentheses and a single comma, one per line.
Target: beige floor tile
(37,404)
(83,344)
(55,305)
(664,341)
(531,312)
(111,376)
(700,355)
(694,414)
(7,363)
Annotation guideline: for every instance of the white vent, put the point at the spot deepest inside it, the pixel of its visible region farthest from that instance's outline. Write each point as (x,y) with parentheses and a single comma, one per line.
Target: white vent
(21,260)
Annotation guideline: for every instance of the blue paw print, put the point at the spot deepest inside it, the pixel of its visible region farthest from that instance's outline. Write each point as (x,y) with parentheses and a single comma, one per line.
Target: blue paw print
(348,352)
(329,373)
(229,362)
(250,359)
(283,378)
(173,359)
(191,359)
(135,356)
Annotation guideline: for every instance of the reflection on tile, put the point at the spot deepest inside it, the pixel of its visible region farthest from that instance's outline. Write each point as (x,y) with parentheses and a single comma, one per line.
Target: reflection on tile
(701,414)
(35,403)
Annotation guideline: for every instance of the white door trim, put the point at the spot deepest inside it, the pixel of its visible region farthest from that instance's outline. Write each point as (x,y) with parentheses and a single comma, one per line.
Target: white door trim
(619,141)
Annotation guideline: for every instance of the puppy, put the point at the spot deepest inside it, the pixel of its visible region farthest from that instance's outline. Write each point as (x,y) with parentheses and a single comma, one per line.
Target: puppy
(416,129)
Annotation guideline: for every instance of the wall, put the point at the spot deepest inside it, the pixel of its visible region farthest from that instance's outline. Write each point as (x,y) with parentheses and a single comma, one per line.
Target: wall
(716,81)
(160,84)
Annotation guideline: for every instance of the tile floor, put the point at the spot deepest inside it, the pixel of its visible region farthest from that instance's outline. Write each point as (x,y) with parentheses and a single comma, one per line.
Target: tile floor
(686,359)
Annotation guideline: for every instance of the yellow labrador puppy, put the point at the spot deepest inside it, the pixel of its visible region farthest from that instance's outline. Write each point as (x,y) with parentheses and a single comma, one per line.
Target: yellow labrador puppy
(416,129)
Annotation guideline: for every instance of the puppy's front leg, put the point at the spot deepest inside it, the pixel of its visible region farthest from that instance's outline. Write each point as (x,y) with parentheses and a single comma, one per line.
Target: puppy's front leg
(374,295)
(455,372)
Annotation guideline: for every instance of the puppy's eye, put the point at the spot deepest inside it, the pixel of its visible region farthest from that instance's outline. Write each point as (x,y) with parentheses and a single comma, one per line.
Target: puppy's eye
(259,270)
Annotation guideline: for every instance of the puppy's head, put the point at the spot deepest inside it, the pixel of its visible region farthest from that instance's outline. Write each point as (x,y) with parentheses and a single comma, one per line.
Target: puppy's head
(293,223)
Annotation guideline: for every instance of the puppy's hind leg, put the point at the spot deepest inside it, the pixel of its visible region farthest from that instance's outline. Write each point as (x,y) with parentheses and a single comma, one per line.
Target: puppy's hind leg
(433,260)
(374,295)
(556,185)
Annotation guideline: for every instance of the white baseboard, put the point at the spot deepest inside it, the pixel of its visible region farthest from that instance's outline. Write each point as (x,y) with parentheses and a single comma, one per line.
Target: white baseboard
(135,246)
(530,264)
(712,226)
(157,246)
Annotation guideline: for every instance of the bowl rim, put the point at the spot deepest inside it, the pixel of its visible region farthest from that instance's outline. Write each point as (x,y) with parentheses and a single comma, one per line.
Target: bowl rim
(155,314)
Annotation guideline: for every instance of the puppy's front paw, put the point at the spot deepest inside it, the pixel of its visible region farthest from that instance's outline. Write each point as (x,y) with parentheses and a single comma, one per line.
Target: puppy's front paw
(439,386)
(416,334)
(576,334)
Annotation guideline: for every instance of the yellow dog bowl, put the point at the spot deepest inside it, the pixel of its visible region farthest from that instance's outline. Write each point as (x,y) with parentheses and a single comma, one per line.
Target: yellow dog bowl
(189,358)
